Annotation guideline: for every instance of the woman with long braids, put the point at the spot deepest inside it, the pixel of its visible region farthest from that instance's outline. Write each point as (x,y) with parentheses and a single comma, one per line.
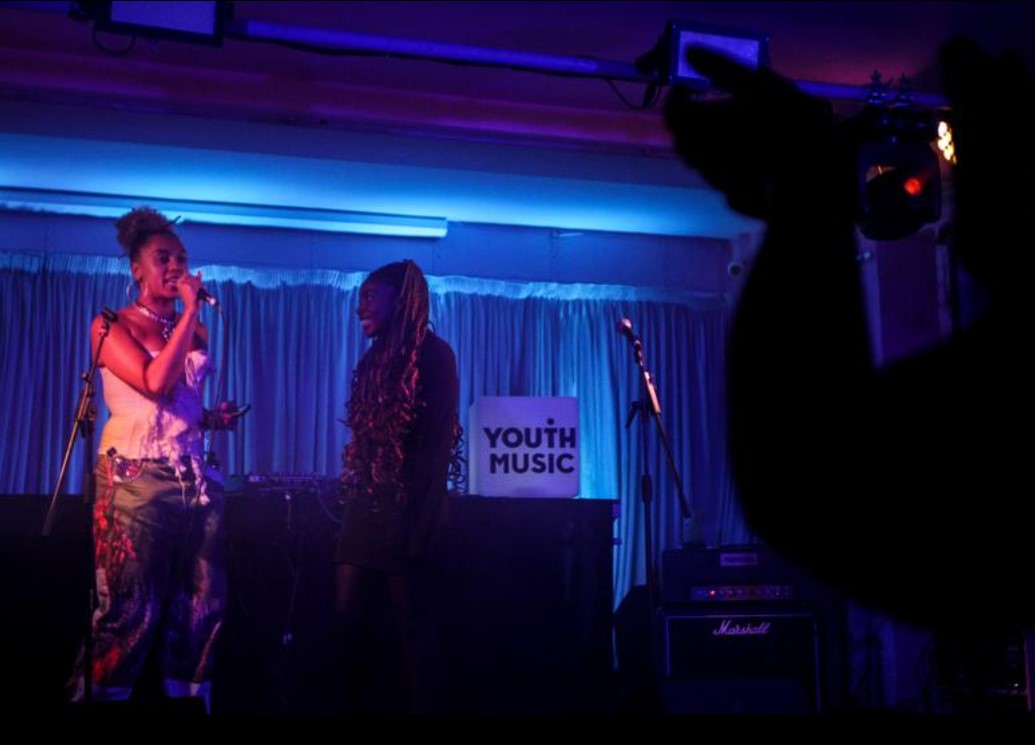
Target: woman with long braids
(403,416)
(157,519)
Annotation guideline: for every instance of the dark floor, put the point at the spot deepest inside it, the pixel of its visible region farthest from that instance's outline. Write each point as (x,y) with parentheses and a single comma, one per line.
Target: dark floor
(522,627)
(522,609)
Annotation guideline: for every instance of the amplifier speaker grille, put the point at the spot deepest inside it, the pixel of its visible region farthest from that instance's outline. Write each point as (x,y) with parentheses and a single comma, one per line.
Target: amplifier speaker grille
(739,661)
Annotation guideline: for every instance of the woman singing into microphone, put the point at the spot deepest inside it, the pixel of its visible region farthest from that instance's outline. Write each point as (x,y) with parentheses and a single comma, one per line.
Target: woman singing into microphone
(157,519)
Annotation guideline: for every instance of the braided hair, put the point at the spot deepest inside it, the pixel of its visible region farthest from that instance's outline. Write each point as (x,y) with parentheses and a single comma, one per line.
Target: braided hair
(383,402)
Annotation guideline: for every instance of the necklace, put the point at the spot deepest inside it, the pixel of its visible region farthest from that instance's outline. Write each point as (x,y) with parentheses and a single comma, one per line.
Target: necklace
(166,323)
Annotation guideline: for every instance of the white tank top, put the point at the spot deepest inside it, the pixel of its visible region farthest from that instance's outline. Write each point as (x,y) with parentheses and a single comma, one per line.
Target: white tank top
(168,427)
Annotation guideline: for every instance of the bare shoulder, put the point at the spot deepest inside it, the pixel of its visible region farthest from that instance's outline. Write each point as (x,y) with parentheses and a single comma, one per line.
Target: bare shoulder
(123,332)
(122,323)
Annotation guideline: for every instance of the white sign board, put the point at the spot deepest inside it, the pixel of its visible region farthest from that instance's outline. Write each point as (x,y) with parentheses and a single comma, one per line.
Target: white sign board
(524,446)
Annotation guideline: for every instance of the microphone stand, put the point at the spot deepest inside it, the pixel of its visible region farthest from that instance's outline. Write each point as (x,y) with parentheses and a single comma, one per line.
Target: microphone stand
(648,407)
(85,415)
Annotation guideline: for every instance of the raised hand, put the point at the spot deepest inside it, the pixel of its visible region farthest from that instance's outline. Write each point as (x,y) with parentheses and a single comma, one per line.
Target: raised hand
(760,135)
(188,286)
(226,415)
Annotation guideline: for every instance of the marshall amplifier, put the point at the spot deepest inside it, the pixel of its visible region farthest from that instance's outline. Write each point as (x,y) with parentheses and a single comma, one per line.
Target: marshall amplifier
(732,574)
(717,662)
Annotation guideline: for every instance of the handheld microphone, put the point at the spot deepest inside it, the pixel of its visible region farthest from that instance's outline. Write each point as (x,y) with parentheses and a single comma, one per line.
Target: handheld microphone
(204,297)
(109,315)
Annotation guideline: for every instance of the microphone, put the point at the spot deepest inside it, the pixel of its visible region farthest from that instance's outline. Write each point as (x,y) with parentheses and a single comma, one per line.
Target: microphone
(625,328)
(109,315)
(204,297)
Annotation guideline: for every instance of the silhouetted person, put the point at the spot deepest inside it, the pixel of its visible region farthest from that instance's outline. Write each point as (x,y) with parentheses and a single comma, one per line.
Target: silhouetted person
(905,486)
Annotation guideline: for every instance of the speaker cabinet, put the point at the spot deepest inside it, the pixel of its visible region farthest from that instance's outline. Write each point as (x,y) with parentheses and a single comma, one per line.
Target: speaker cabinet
(723,661)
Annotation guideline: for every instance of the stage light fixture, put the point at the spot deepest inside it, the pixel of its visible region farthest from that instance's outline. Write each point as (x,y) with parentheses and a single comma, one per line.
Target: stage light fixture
(899,176)
(668,57)
(945,142)
(194,22)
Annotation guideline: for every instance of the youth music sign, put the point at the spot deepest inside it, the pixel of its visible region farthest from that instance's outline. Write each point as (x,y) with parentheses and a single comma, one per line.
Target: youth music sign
(524,446)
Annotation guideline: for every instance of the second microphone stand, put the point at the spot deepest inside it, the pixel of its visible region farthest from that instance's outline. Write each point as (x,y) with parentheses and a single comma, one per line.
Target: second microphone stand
(649,408)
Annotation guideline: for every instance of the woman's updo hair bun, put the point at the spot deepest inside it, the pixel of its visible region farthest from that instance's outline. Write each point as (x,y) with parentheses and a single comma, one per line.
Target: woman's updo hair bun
(139,224)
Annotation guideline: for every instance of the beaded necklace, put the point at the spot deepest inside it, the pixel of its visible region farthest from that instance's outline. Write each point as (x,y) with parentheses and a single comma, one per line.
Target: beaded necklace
(166,323)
